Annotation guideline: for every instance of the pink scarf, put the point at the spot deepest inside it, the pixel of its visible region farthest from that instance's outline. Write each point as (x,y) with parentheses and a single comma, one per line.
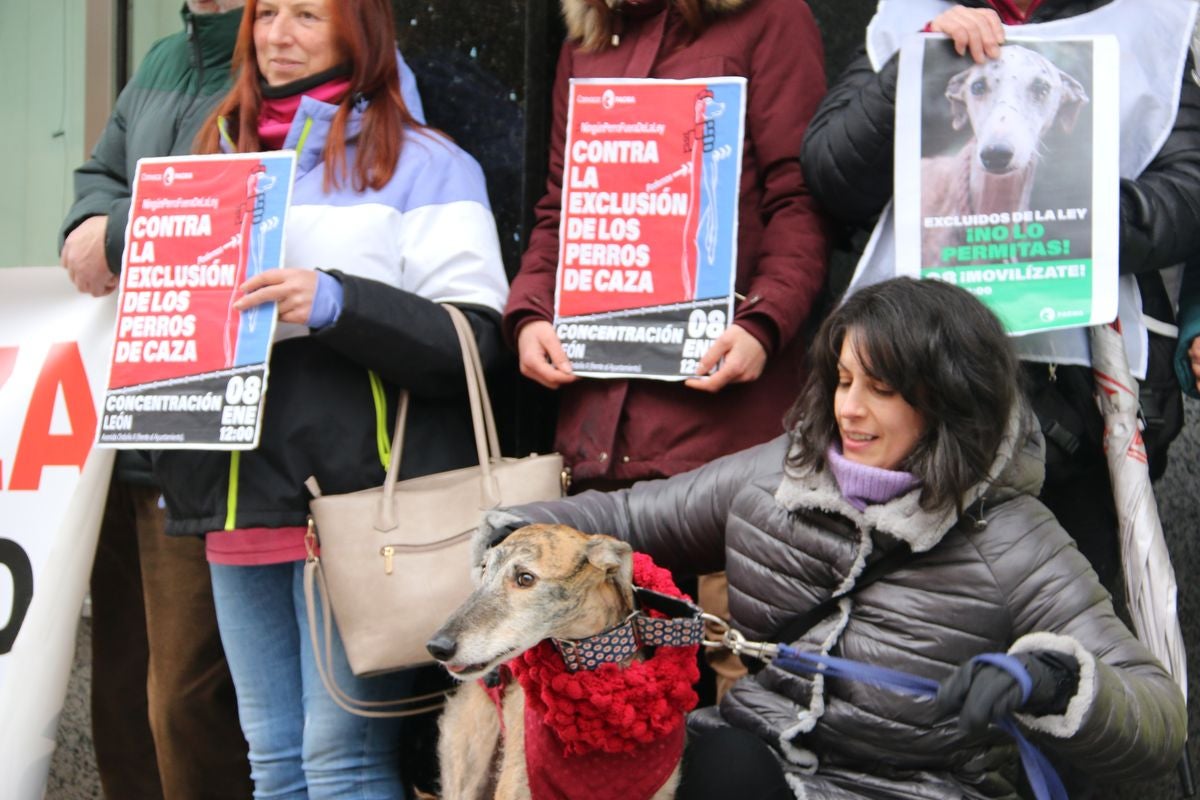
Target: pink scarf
(276,114)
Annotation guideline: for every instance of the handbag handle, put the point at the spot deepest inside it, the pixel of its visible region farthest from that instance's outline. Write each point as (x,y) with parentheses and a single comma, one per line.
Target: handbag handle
(378,709)
(483,422)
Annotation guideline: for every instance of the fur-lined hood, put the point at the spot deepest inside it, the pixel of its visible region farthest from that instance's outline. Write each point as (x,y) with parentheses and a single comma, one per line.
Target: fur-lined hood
(1018,468)
(583,19)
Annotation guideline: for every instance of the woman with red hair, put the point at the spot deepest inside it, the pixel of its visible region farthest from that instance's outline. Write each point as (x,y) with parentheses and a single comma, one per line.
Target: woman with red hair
(388,219)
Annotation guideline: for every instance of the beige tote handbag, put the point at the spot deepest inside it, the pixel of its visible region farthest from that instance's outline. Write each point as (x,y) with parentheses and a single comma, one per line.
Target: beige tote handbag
(395,560)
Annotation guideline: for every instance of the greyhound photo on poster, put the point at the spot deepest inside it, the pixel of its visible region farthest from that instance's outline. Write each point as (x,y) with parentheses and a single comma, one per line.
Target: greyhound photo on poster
(1006,176)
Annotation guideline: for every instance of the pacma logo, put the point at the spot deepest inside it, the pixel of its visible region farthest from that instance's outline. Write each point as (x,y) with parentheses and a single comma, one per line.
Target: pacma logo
(167,177)
(609,99)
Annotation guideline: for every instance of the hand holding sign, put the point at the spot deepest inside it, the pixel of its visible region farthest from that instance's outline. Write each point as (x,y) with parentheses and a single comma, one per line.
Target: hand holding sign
(744,359)
(291,289)
(977,30)
(542,356)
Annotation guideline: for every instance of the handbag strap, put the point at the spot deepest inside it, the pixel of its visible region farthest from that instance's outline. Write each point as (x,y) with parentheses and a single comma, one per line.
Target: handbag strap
(466,339)
(483,421)
(378,709)
(801,624)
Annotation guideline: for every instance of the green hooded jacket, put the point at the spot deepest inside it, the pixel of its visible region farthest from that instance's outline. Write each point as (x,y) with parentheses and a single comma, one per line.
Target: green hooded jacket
(158,113)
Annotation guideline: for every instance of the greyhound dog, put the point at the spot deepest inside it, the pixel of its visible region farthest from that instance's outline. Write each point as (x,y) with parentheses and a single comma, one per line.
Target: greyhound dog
(542,582)
(1010,104)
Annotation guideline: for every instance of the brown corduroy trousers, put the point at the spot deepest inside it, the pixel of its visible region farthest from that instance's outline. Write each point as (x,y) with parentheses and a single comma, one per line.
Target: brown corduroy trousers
(164,715)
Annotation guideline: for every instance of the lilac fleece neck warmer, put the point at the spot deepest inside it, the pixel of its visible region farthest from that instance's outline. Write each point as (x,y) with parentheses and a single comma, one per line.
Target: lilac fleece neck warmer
(862,485)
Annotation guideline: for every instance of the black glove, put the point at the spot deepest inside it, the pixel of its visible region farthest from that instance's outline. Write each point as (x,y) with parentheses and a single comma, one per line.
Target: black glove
(981,692)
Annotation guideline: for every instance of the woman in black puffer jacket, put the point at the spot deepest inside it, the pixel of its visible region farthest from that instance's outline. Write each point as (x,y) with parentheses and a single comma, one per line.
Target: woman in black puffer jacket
(909,436)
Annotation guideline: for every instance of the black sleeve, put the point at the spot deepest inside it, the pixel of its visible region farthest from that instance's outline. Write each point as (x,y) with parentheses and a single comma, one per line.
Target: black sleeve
(408,340)
(679,521)
(847,154)
(1160,209)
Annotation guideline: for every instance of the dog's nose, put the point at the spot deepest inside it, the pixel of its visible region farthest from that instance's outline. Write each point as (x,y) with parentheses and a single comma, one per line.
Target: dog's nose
(441,647)
(996,158)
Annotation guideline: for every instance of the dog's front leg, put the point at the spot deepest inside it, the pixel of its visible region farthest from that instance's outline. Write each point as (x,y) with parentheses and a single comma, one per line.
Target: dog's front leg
(470,731)
(513,783)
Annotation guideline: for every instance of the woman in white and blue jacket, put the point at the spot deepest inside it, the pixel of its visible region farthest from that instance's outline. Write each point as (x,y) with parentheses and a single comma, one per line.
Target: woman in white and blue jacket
(388,219)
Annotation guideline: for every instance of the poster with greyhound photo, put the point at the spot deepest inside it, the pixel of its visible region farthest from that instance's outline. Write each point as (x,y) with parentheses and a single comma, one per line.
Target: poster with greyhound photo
(1007,176)
(648,232)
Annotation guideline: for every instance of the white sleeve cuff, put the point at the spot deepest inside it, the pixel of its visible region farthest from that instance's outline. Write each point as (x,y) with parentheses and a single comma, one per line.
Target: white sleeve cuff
(1067,724)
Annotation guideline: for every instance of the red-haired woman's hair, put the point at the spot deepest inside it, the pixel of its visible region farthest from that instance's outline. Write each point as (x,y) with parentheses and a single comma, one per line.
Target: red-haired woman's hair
(366,33)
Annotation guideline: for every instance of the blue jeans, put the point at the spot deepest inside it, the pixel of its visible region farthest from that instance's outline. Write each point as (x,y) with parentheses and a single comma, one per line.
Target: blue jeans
(302,745)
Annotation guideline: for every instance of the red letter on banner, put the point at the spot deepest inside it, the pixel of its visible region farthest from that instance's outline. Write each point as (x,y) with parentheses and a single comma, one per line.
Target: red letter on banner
(38,447)
(8,359)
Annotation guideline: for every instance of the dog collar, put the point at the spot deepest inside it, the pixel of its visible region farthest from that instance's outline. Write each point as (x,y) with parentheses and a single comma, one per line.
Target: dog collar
(681,626)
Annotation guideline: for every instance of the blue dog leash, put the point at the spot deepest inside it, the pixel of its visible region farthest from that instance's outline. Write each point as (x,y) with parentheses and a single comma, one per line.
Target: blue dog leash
(1043,778)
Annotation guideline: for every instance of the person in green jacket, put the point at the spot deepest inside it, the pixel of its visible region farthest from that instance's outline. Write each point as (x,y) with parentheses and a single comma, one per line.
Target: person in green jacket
(164,715)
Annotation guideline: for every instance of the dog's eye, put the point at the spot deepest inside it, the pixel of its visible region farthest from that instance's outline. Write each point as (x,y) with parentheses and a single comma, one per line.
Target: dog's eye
(1040,89)
(979,87)
(526,579)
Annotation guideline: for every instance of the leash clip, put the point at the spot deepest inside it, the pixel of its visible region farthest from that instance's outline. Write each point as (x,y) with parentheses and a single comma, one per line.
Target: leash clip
(735,642)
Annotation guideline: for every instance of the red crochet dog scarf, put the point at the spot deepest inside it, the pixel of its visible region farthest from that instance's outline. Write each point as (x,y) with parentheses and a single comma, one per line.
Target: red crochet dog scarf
(612,733)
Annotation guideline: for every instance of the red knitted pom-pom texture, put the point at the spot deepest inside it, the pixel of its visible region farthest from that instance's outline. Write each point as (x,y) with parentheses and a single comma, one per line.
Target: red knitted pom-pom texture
(612,709)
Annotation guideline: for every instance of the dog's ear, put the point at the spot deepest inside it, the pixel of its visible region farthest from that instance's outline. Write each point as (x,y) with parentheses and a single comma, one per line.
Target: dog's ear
(1074,98)
(956,93)
(615,558)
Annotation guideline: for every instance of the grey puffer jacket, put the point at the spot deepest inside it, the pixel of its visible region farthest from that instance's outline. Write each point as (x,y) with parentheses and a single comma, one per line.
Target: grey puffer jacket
(1003,577)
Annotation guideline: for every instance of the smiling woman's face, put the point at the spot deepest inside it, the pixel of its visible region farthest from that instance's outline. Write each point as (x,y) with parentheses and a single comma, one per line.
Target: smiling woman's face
(294,39)
(878,427)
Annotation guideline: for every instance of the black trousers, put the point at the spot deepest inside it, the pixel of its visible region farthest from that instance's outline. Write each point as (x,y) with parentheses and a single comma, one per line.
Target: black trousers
(729,762)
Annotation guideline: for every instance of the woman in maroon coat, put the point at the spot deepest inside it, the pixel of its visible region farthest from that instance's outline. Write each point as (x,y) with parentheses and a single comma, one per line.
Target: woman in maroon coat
(613,432)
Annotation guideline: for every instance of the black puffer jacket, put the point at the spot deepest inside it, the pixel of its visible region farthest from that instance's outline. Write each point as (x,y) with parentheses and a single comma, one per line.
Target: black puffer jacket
(1013,584)
(847,159)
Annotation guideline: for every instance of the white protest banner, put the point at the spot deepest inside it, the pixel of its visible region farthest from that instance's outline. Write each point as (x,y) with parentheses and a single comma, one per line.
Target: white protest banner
(1007,176)
(54,345)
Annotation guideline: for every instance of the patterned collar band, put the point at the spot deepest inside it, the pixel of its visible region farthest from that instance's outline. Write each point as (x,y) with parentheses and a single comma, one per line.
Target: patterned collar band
(680,627)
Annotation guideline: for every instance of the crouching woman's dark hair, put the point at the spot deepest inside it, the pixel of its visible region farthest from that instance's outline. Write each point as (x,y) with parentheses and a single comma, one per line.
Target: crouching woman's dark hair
(948,357)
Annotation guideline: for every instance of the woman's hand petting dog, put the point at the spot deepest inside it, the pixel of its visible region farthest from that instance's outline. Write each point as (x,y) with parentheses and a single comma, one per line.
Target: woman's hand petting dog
(975,29)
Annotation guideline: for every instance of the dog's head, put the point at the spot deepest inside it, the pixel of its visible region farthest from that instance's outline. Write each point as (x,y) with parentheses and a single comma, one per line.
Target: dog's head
(1011,103)
(541,582)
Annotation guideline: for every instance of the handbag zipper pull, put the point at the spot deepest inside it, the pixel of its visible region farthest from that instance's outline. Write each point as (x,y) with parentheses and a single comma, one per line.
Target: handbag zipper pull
(388,551)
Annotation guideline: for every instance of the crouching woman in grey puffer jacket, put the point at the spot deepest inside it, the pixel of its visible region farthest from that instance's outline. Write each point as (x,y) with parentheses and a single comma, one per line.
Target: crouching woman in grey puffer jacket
(910,433)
